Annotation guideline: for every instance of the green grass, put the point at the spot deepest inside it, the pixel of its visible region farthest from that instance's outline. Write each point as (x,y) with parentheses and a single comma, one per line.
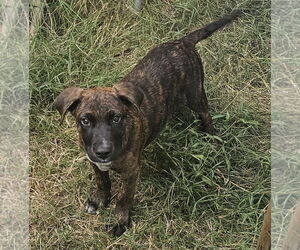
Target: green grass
(193,193)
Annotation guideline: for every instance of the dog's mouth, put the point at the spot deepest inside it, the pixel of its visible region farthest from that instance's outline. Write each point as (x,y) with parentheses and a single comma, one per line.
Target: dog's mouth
(103,166)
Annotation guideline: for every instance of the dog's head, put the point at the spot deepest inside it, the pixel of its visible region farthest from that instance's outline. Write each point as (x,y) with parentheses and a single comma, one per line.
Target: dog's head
(105,118)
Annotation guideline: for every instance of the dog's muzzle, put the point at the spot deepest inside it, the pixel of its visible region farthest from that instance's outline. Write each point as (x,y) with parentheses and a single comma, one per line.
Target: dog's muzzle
(105,166)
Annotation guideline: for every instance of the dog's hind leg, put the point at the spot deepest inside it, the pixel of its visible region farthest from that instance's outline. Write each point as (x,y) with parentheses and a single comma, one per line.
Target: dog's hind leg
(204,115)
(103,192)
(198,103)
(196,100)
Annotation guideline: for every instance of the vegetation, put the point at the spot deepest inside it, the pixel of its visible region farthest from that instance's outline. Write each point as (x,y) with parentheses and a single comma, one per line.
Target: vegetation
(193,193)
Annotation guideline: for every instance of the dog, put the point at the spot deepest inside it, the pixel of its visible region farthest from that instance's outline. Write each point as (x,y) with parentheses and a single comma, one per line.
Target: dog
(116,123)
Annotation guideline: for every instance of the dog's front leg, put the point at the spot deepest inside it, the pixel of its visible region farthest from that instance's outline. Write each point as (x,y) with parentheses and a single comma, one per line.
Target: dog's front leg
(125,201)
(103,192)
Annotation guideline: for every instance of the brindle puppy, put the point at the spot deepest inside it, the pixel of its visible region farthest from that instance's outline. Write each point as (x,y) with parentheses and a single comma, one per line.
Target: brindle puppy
(115,124)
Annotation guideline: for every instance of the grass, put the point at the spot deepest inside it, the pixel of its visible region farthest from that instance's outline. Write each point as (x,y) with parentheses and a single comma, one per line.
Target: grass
(193,194)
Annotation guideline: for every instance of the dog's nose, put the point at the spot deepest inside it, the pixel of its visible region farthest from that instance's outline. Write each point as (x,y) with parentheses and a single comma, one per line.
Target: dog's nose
(103,152)
(103,155)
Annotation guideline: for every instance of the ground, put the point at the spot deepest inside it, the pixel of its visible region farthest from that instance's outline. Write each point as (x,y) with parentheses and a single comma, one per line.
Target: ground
(193,193)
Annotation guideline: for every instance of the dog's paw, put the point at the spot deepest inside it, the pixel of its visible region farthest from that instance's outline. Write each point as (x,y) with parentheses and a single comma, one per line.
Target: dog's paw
(208,129)
(116,230)
(91,207)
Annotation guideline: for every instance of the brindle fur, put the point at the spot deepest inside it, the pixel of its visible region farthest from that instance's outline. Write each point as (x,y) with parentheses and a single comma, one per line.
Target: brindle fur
(170,74)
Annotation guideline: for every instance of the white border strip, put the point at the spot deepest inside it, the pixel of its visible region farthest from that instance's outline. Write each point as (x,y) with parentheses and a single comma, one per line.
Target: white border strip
(285,116)
(14,106)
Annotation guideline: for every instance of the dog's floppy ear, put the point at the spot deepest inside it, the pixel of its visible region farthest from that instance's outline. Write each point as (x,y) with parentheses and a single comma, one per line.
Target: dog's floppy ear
(67,101)
(130,95)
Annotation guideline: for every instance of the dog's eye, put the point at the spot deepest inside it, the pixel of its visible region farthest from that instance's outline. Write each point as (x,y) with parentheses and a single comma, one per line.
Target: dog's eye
(85,121)
(116,119)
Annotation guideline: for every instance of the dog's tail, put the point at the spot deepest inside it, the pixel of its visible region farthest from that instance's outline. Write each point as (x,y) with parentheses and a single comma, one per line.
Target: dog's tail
(208,29)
